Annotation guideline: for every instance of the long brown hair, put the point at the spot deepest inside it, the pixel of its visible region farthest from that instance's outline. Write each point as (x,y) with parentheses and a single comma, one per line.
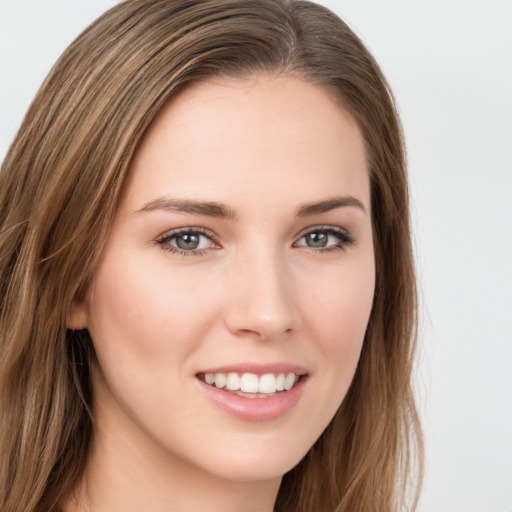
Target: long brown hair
(59,187)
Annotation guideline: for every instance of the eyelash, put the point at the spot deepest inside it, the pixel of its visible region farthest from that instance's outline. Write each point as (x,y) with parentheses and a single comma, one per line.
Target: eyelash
(165,240)
(345,238)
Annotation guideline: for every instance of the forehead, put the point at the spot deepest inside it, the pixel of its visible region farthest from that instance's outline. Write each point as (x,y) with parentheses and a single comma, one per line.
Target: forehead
(248,138)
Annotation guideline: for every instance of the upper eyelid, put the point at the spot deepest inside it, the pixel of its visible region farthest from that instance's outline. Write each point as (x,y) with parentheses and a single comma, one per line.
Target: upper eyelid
(188,229)
(210,234)
(323,227)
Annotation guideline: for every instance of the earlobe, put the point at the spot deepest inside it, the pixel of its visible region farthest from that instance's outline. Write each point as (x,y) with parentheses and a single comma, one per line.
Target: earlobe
(77,318)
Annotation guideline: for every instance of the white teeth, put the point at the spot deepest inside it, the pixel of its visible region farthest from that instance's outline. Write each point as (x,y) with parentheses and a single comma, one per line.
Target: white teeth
(289,381)
(249,383)
(268,383)
(220,380)
(233,381)
(280,382)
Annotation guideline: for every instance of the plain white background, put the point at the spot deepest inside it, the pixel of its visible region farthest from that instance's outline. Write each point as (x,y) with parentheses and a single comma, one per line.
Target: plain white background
(450,65)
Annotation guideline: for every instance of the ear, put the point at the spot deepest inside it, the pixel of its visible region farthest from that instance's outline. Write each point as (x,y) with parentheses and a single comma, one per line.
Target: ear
(77,318)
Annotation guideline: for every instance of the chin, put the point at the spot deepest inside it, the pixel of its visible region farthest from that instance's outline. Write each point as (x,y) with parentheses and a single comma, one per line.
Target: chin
(257,462)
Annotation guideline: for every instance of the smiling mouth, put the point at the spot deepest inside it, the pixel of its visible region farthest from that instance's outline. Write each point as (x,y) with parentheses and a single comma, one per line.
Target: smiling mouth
(251,385)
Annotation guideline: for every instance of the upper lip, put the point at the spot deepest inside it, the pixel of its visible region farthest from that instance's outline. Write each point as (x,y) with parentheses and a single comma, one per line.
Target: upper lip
(257,368)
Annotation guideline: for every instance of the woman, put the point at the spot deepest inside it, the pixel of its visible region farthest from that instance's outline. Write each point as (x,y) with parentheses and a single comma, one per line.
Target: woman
(208,294)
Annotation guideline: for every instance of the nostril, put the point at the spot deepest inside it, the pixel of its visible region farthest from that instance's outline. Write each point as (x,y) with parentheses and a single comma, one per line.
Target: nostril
(265,334)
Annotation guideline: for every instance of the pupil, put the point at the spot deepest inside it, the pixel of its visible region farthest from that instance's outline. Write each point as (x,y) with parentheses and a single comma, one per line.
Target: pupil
(316,239)
(187,242)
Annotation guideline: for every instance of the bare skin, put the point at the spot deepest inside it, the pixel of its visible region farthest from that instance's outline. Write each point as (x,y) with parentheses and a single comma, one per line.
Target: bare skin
(243,239)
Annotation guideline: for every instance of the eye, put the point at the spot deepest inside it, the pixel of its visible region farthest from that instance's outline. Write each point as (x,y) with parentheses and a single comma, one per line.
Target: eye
(187,241)
(325,238)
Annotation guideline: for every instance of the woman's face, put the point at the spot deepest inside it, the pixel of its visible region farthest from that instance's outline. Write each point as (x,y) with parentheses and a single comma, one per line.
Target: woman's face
(241,255)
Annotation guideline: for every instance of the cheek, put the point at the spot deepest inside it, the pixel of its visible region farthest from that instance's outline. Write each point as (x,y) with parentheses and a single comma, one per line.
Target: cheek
(337,319)
(339,307)
(138,314)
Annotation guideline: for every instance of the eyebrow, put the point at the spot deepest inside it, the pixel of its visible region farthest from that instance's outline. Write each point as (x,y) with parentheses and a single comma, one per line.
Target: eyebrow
(219,210)
(328,205)
(208,208)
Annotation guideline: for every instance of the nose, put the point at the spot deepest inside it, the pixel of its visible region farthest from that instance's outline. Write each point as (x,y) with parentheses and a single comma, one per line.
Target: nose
(262,298)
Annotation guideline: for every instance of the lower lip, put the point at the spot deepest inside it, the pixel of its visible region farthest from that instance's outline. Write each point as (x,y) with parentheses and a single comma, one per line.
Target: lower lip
(255,409)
